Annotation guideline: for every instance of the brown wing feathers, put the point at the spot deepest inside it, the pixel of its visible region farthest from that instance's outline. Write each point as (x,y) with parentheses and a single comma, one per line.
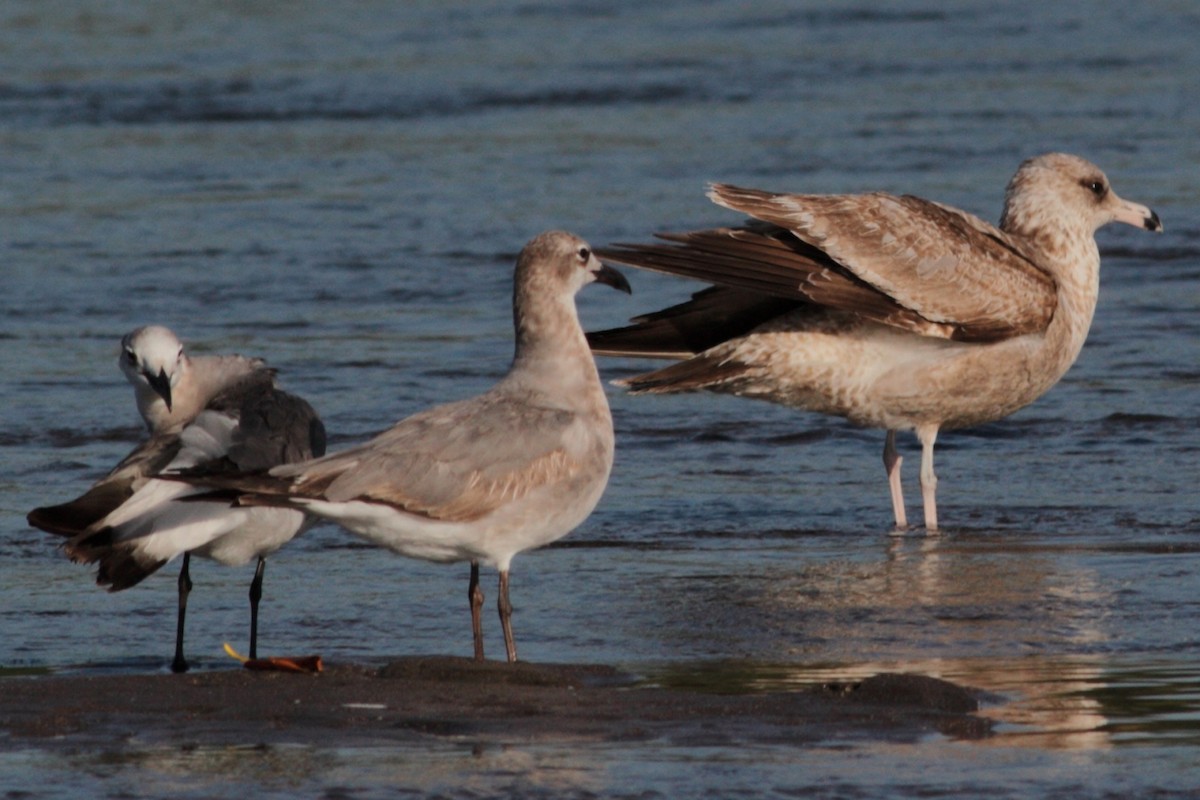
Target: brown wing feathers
(981,287)
(712,316)
(937,263)
(771,262)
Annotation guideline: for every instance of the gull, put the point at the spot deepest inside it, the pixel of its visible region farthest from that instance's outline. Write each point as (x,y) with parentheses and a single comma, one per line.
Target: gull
(893,312)
(215,410)
(484,478)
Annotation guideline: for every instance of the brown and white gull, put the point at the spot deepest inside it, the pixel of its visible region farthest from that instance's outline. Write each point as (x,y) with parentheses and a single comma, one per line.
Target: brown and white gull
(893,312)
(217,411)
(485,478)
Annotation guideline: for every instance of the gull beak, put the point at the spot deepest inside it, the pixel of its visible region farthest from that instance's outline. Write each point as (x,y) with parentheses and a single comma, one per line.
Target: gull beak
(611,277)
(161,384)
(1138,216)
(1153,223)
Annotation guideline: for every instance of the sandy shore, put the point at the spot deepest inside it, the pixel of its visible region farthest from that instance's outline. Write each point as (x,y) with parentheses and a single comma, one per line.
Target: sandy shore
(445,697)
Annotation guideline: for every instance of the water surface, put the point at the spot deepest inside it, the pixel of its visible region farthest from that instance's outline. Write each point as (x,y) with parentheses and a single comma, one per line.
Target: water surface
(342,191)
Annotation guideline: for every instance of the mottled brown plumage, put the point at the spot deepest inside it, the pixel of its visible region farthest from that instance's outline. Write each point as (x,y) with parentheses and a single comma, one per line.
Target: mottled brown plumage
(891,311)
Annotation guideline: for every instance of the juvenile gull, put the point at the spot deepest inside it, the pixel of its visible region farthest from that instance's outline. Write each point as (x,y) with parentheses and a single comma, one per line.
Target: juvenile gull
(221,411)
(893,312)
(481,479)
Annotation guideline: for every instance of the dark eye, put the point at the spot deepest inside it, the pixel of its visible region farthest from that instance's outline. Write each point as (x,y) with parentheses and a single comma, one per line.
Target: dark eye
(1097,188)
(584,254)
(130,356)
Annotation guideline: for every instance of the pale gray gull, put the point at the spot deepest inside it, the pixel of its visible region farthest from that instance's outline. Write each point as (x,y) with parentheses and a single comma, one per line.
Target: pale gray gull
(893,312)
(484,478)
(221,411)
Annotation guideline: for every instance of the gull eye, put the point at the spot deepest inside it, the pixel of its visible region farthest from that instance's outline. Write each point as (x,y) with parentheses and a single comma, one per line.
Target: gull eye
(584,254)
(130,356)
(1096,187)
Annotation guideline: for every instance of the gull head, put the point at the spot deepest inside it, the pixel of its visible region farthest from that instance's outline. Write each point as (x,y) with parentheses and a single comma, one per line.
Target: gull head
(557,262)
(1057,194)
(152,360)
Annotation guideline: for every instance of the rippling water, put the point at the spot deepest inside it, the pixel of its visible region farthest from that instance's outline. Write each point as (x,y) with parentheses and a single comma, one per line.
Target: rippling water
(343,189)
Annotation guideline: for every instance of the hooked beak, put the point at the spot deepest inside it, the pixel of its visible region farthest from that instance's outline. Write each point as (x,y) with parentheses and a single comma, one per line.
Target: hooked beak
(1137,215)
(611,277)
(161,385)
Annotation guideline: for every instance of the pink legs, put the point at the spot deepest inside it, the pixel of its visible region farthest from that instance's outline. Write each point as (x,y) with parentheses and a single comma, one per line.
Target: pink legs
(891,462)
(927,434)
(475,595)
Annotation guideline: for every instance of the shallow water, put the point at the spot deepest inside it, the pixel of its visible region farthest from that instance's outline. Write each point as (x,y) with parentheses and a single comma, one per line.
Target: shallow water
(343,191)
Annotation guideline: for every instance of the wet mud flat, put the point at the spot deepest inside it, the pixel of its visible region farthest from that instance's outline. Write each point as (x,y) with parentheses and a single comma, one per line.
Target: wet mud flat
(449,698)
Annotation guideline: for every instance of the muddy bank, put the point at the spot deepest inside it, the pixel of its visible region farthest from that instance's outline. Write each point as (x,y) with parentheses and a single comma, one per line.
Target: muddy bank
(445,697)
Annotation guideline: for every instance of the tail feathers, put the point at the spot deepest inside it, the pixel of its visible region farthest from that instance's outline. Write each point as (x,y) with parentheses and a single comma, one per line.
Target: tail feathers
(121,564)
(217,483)
(122,568)
(702,372)
(89,547)
(130,546)
(240,498)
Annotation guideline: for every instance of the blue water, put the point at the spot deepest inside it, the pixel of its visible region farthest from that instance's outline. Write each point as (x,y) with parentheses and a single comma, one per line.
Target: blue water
(342,190)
